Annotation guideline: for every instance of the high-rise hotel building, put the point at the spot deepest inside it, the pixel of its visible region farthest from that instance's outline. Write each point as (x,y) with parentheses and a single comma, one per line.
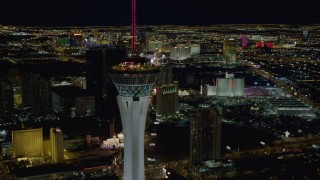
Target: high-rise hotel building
(167,99)
(56,145)
(27,142)
(6,102)
(229,50)
(205,135)
(36,93)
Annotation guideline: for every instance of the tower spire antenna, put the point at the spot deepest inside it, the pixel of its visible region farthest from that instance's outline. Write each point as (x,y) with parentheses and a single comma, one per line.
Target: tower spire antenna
(133,25)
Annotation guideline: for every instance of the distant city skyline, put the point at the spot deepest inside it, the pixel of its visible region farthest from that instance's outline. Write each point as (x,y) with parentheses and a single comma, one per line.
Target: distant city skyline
(151,12)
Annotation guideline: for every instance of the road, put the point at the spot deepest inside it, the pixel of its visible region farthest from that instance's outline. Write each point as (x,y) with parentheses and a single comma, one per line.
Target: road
(280,146)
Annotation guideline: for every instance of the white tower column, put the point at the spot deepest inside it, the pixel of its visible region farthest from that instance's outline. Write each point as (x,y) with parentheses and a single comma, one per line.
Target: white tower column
(133,117)
(133,78)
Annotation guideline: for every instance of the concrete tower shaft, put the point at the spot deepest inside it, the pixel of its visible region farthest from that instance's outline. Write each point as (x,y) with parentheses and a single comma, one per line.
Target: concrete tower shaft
(134,82)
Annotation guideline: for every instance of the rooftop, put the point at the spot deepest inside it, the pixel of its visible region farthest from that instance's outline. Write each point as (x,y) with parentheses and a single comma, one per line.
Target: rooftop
(44,169)
(71,91)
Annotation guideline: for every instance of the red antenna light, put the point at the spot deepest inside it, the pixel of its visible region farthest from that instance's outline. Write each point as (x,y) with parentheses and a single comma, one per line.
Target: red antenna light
(133,25)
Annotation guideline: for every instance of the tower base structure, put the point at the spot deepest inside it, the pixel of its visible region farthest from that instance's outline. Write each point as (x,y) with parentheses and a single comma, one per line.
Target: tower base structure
(133,112)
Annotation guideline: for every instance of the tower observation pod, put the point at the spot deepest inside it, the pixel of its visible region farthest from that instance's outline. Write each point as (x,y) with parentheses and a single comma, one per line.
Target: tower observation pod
(134,79)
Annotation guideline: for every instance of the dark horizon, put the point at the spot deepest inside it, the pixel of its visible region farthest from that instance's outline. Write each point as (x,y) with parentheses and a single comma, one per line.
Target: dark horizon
(150,12)
(145,25)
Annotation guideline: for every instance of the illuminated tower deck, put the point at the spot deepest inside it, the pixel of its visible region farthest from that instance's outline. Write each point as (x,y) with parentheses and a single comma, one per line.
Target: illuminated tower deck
(134,80)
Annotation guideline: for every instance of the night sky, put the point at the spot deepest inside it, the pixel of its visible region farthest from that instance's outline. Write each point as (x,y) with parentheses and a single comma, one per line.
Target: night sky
(152,12)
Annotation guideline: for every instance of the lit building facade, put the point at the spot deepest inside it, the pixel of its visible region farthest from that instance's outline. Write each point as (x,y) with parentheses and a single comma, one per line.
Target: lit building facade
(195,49)
(224,87)
(306,35)
(229,50)
(238,87)
(244,41)
(230,87)
(155,45)
(167,99)
(180,52)
(205,135)
(27,143)
(62,41)
(76,39)
(208,90)
(134,80)
(56,145)
(165,47)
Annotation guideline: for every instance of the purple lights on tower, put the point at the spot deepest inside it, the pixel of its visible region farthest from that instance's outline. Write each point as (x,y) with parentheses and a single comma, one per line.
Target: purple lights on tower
(244,41)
